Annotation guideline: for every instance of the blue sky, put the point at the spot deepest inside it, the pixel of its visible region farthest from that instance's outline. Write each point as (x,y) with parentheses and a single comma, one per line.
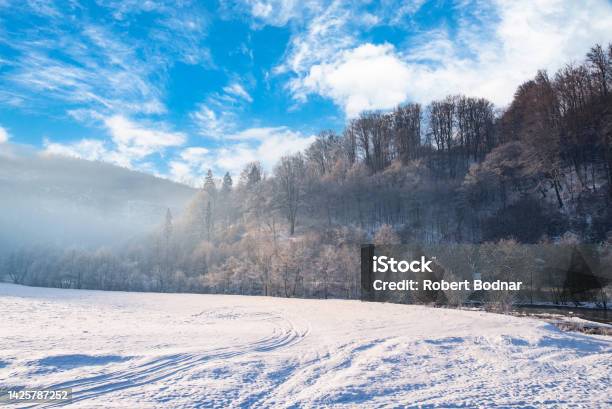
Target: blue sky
(175,88)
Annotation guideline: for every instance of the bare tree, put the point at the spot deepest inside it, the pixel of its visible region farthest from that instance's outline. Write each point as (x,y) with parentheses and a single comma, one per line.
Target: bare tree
(407,131)
(600,64)
(290,174)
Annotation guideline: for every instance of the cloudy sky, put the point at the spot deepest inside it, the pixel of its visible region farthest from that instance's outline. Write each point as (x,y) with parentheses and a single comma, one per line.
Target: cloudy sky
(173,88)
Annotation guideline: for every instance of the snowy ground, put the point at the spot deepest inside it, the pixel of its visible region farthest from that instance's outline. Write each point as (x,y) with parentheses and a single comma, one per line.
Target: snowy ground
(129,350)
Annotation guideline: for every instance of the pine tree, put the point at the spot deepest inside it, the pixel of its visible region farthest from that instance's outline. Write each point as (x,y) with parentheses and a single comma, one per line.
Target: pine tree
(209,184)
(211,191)
(251,174)
(227,184)
(226,200)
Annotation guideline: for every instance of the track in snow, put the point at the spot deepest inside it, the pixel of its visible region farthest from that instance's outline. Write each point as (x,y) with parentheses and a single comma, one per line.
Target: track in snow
(283,334)
(118,350)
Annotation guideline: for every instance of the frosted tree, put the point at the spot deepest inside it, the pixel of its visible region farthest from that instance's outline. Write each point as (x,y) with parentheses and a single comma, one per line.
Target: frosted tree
(209,184)
(386,236)
(226,200)
(211,195)
(208,219)
(251,175)
(601,66)
(164,272)
(290,174)
(227,184)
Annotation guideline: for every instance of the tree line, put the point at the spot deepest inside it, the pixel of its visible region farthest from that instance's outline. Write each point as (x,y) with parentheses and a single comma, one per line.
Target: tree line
(458,170)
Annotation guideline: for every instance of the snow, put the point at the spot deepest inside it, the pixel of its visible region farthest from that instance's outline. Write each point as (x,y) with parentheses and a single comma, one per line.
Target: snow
(120,350)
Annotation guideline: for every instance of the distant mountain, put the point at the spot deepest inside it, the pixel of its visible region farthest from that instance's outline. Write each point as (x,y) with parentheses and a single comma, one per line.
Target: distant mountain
(47,199)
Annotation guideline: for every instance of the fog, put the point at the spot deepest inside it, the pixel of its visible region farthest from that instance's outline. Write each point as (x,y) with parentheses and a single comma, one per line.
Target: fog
(48,200)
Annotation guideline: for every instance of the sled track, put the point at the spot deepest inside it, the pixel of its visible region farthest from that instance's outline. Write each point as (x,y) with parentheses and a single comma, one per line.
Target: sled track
(284,334)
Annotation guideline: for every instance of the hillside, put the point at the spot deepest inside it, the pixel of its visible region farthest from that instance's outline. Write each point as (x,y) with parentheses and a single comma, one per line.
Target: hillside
(66,201)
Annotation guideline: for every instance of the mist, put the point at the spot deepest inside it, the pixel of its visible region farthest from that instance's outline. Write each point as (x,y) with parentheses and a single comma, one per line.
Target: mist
(49,200)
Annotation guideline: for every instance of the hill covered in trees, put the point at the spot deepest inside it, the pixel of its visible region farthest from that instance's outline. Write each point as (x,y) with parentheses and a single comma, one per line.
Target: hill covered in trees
(56,200)
(458,170)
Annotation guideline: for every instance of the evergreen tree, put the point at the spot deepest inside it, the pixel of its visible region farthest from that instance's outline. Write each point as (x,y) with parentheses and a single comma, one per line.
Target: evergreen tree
(226,201)
(209,184)
(211,191)
(227,184)
(251,174)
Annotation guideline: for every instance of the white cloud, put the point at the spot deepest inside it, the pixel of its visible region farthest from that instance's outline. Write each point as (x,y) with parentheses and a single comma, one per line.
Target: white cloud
(126,86)
(181,172)
(194,154)
(326,34)
(369,19)
(279,12)
(211,122)
(265,145)
(238,91)
(261,134)
(90,149)
(72,61)
(130,144)
(267,150)
(327,58)
(367,77)
(405,8)
(530,35)
(281,142)
(190,166)
(218,115)
(335,26)
(494,48)
(4,136)
(136,141)
(45,8)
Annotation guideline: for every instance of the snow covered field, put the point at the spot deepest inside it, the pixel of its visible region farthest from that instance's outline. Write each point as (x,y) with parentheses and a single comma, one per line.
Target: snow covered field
(129,350)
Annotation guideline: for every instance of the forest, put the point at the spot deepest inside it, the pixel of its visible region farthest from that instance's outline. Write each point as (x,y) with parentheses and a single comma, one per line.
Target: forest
(458,170)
